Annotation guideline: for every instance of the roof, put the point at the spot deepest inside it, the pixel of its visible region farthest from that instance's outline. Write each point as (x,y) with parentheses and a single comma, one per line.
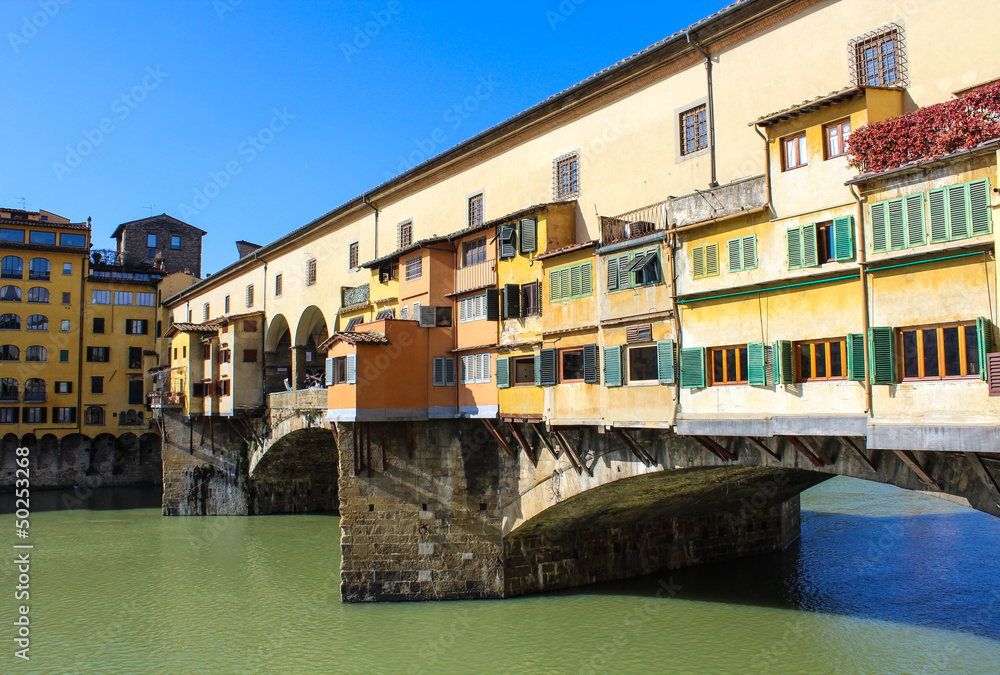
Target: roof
(227,318)
(191,328)
(365,337)
(566,249)
(395,255)
(531,210)
(624,70)
(920,163)
(845,94)
(162,216)
(22,222)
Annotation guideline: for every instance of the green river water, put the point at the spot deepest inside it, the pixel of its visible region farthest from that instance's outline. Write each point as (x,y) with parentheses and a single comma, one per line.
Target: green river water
(882,581)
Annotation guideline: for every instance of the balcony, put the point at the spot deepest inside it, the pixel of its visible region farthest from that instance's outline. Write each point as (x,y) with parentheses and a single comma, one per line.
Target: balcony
(303,399)
(166,399)
(634,224)
(480,275)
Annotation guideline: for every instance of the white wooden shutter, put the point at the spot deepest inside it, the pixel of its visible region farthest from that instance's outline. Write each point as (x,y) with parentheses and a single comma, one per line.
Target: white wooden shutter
(352,368)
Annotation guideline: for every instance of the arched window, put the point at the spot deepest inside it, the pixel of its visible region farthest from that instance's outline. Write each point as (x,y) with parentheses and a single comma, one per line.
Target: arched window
(94,415)
(38,269)
(10,294)
(8,389)
(38,294)
(37,322)
(9,353)
(130,417)
(11,267)
(10,322)
(34,389)
(36,353)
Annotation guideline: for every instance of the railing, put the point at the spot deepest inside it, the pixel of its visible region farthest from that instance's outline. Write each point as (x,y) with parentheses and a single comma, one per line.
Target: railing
(34,397)
(165,399)
(354,296)
(10,397)
(479,275)
(634,224)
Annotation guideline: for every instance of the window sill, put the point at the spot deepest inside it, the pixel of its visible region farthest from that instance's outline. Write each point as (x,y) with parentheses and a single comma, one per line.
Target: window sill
(644,383)
(939,380)
(729,384)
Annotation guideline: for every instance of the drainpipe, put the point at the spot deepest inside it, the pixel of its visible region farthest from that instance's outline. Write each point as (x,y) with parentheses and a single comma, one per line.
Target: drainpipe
(710,108)
(263,341)
(863,274)
(80,348)
(767,168)
(672,243)
(364,198)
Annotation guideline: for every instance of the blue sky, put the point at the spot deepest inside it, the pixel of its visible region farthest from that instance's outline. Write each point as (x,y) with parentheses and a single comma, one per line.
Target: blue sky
(249,118)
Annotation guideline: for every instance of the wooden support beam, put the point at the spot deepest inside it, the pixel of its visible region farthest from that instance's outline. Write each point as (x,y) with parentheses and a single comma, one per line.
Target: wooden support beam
(911,461)
(520,438)
(763,446)
(385,462)
(984,475)
(797,444)
(545,441)
(818,450)
(715,448)
(849,444)
(574,457)
(499,438)
(409,440)
(634,446)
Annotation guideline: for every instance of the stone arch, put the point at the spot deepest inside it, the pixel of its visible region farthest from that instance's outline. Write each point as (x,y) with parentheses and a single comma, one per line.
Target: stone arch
(277,327)
(310,332)
(102,454)
(149,448)
(278,354)
(48,452)
(8,451)
(75,453)
(126,452)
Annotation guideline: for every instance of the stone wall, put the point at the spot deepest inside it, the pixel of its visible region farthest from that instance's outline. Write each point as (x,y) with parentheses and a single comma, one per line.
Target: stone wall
(187,257)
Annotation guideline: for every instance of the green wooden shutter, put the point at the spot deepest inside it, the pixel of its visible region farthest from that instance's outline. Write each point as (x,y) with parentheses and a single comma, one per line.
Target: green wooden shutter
(512,301)
(613,366)
(698,262)
(507,247)
(897,226)
(783,369)
(538,369)
(958,211)
(711,260)
(984,337)
(882,349)
(794,248)
(624,277)
(590,369)
(979,206)
(587,278)
(755,364)
(843,239)
(548,367)
(492,304)
(856,357)
(665,361)
(810,256)
(529,235)
(878,223)
(692,366)
(503,372)
(734,250)
(750,252)
(913,206)
(937,208)
(612,274)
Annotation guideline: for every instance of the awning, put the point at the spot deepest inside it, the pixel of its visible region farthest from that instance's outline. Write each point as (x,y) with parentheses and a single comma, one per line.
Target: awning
(641,261)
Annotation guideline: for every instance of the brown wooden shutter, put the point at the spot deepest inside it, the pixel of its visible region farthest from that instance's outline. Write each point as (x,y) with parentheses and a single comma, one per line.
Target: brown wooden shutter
(642,332)
(993,373)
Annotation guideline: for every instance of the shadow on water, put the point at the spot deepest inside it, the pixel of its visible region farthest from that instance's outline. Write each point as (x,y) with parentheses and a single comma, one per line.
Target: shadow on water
(89,499)
(936,570)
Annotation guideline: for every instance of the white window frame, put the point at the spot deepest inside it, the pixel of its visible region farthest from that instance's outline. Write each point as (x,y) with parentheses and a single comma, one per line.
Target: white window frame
(414,268)
(100,297)
(476,368)
(472,308)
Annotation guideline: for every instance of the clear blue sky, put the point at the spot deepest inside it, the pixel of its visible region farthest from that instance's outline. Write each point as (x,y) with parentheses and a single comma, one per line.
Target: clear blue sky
(111,107)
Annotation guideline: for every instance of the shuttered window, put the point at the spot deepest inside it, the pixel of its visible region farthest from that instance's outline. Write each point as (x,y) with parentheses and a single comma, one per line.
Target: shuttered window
(665,357)
(444,371)
(642,364)
(881,347)
(783,364)
(993,373)
(352,369)
(472,308)
(742,253)
(642,332)
(729,365)
(547,367)
(507,236)
(821,359)
(529,235)
(571,283)
(511,301)
(414,268)
(946,351)
(856,357)
(756,364)
(613,366)
(590,363)
(705,261)
(960,211)
(692,367)
(503,372)
(476,369)
(897,223)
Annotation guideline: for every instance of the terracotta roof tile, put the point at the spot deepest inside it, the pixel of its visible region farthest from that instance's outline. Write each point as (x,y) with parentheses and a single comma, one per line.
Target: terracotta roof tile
(566,249)
(365,337)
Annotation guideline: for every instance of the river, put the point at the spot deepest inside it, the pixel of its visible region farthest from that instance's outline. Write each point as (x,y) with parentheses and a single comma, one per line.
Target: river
(882,581)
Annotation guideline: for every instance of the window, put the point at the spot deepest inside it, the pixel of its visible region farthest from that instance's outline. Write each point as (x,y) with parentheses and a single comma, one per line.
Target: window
(67,269)
(835,138)
(793,152)
(939,352)
(311,272)
(10,294)
(145,300)
(38,269)
(10,322)
(38,294)
(387,273)
(8,389)
(524,370)
(64,325)
(33,415)
(150,241)
(37,322)
(474,252)
(11,267)
(729,365)
(79,240)
(64,387)
(472,308)
(9,353)
(476,211)
(123,298)
(8,415)
(571,365)
(226,356)
(642,364)
(571,282)
(528,230)
(34,389)
(100,297)
(814,244)
(404,234)
(821,360)
(94,415)
(98,327)
(175,242)
(414,268)
(225,303)
(879,58)
(404,313)
(507,236)
(567,176)
(36,353)
(442,317)
(529,300)
(98,354)
(135,357)
(16,236)
(67,298)
(249,325)
(742,253)
(205,312)
(444,372)
(694,130)
(705,261)
(43,238)
(249,295)
(63,356)
(476,369)
(64,415)
(336,370)
(249,356)
(353,256)
(637,268)
(190,318)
